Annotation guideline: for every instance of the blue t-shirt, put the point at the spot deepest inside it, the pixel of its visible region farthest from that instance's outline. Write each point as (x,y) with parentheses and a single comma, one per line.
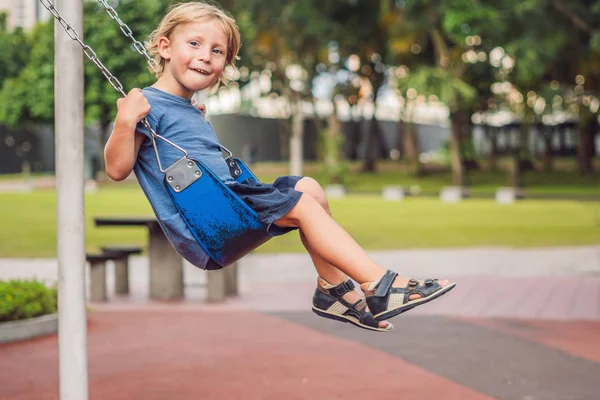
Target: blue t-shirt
(176,119)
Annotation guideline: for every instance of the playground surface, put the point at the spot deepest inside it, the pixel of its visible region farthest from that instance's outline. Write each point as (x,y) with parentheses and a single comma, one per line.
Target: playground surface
(528,331)
(202,354)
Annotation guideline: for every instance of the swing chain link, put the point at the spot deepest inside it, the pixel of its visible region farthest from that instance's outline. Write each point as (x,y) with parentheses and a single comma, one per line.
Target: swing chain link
(87,50)
(139,47)
(115,83)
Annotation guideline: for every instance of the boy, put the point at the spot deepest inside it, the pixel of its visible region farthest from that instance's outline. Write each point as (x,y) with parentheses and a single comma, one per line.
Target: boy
(192,45)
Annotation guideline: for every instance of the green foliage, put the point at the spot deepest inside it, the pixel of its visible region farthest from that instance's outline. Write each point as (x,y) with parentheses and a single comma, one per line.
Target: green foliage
(15,57)
(29,94)
(15,50)
(24,299)
(116,53)
(441,83)
(467,150)
(462,18)
(277,34)
(595,42)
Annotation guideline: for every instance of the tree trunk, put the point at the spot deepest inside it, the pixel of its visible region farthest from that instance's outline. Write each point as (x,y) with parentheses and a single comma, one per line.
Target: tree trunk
(492,136)
(317,120)
(375,142)
(526,154)
(562,136)
(411,148)
(516,176)
(283,131)
(456,157)
(586,144)
(333,149)
(354,139)
(296,150)
(516,173)
(547,134)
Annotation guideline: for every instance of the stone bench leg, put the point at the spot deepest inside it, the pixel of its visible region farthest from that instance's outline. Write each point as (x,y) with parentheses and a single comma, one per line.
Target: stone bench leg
(122,276)
(98,281)
(221,283)
(215,285)
(166,268)
(231,280)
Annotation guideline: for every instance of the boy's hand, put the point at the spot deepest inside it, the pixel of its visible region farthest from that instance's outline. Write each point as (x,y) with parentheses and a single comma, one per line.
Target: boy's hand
(201,107)
(133,107)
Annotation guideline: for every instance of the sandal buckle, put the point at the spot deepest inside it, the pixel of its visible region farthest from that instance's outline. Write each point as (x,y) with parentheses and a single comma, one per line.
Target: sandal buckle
(344,288)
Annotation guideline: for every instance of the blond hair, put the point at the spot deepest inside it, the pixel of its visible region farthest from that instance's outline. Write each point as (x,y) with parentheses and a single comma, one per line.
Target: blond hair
(196,11)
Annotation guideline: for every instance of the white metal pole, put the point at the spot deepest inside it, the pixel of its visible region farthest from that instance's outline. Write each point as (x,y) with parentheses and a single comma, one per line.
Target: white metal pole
(68,79)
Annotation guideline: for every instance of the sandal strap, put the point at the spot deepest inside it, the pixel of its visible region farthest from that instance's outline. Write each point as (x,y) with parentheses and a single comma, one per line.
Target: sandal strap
(337,290)
(385,284)
(343,288)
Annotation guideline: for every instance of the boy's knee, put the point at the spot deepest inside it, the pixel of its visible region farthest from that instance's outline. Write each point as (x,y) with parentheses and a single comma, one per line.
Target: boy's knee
(313,188)
(307,204)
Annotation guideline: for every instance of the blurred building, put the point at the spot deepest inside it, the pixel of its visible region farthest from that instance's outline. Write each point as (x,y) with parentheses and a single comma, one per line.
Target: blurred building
(24,13)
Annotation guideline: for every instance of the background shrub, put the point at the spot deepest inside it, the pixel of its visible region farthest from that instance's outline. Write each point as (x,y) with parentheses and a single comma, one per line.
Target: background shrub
(24,299)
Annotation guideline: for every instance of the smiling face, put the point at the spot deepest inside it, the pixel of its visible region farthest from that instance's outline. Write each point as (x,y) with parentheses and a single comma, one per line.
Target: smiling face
(195,56)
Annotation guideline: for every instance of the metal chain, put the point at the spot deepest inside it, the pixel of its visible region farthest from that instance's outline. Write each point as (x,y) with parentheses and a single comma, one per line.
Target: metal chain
(87,50)
(129,34)
(91,54)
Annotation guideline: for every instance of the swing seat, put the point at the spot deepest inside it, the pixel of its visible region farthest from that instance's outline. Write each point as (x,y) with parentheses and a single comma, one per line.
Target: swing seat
(225,226)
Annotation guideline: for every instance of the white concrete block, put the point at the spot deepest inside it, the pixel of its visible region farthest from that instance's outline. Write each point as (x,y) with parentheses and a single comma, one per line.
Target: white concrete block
(507,195)
(335,191)
(451,194)
(393,193)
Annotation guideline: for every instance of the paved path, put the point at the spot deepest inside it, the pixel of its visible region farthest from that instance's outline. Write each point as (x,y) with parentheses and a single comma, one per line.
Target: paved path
(553,283)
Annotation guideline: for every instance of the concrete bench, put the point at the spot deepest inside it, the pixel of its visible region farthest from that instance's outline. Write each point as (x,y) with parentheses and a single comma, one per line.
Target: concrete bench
(120,256)
(220,283)
(121,265)
(98,274)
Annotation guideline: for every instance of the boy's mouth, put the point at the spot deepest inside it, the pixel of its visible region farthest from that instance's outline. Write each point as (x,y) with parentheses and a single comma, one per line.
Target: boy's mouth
(201,71)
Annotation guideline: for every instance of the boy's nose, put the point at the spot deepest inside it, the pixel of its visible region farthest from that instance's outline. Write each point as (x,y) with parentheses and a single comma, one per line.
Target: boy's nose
(204,55)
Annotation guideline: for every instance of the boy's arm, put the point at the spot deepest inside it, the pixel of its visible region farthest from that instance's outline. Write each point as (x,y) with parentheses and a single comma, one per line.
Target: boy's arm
(121,150)
(123,145)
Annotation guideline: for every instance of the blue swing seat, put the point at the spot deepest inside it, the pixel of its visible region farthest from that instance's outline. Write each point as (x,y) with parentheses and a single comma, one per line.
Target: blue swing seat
(225,226)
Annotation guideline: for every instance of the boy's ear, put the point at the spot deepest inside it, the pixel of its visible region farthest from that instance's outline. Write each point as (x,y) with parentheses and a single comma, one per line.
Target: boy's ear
(164,48)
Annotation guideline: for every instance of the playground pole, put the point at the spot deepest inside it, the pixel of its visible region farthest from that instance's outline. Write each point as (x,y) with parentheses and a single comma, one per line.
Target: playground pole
(68,94)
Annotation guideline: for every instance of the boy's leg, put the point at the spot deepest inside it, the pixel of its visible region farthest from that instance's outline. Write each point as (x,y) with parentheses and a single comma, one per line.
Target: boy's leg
(325,270)
(332,247)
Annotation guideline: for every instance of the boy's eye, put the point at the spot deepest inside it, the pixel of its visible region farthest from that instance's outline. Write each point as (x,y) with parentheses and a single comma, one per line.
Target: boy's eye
(194,43)
(217,51)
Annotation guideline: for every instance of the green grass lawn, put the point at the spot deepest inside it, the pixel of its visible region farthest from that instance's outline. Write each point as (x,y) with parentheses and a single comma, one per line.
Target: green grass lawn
(563,181)
(28,222)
